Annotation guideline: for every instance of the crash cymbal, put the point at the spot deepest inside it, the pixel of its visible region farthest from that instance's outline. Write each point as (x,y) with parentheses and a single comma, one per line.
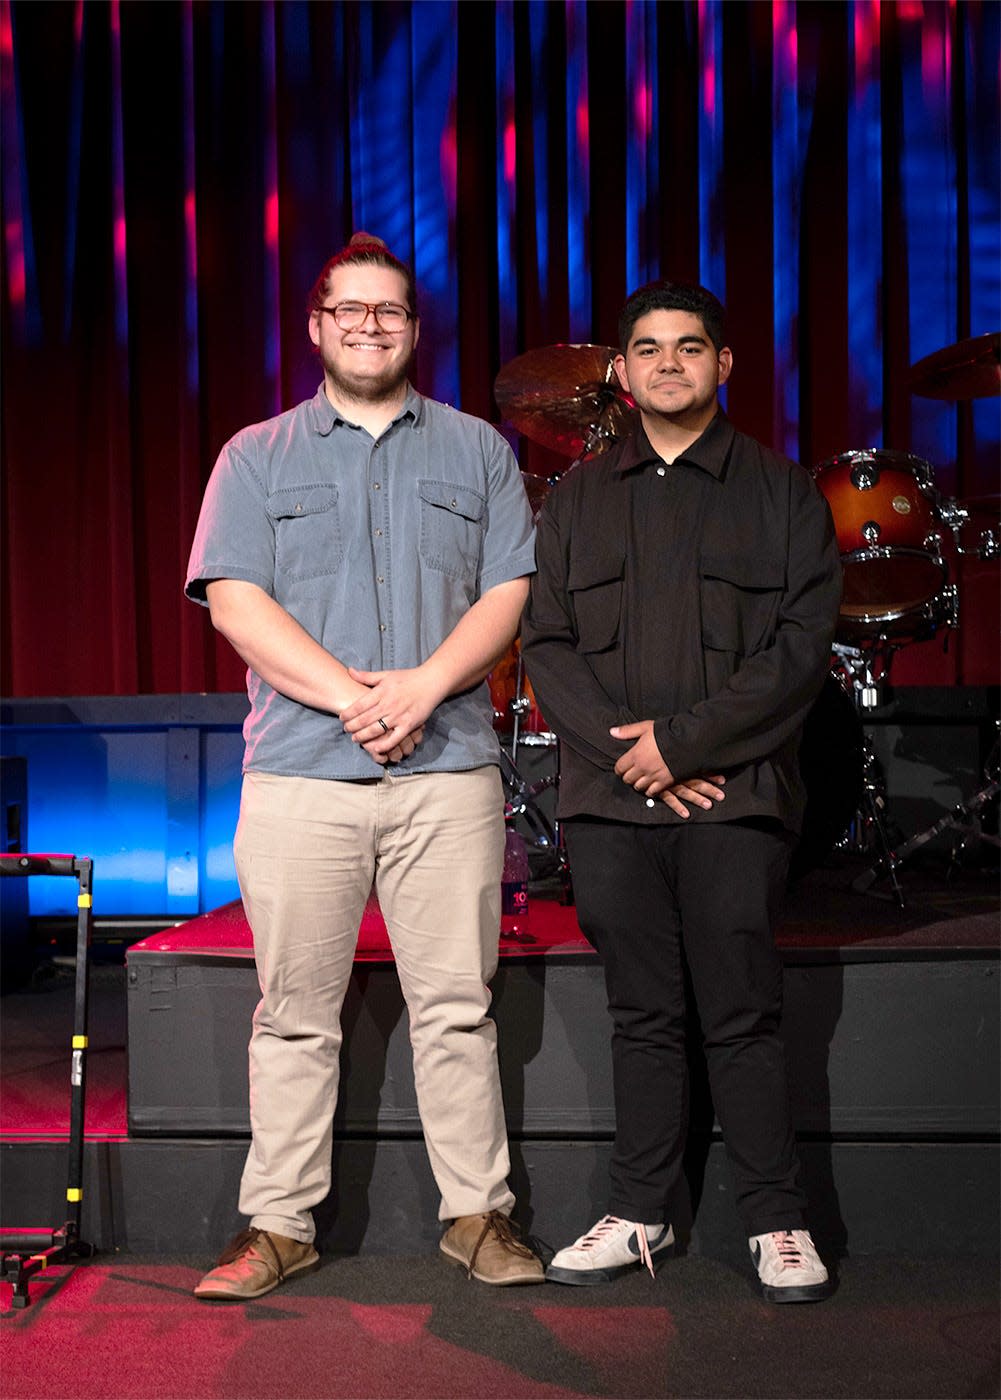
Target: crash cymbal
(970,369)
(565,397)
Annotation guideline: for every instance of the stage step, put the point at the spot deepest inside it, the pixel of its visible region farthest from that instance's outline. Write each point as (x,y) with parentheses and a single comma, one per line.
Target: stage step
(179,1196)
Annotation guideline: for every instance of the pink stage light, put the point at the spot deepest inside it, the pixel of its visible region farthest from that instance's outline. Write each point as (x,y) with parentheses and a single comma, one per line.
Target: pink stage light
(271,219)
(119,241)
(510,150)
(583,127)
(17,281)
(867,18)
(643,111)
(449,160)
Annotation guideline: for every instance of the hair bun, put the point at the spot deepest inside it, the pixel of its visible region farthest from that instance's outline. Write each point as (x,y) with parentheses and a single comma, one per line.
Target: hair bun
(358,240)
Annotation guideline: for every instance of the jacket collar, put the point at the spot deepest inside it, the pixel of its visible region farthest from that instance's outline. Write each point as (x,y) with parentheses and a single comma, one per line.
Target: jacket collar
(709,452)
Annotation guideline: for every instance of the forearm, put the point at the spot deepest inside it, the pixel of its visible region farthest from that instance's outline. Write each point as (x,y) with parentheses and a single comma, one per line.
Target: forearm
(277,648)
(401,701)
(762,704)
(573,702)
(479,639)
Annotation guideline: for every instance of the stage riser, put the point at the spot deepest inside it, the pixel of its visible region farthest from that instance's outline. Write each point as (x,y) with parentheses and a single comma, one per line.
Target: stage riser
(908,1048)
(925,1199)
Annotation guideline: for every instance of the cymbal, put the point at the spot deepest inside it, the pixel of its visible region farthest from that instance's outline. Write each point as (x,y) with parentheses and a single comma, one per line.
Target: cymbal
(970,369)
(982,505)
(565,397)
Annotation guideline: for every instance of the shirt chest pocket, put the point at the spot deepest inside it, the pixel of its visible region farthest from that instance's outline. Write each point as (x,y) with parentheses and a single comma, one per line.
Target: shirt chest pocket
(452,522)
(595,586)
(740,597)
(308,543)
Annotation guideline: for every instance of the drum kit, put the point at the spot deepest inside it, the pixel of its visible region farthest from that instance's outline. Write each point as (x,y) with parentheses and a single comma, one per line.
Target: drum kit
(896,533)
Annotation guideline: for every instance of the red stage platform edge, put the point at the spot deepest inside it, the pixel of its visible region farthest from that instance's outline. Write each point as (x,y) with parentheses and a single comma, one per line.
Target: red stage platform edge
(550,928)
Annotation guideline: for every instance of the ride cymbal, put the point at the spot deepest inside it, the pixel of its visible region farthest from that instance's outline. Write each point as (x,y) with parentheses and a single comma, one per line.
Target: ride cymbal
(970,369)
(565,397)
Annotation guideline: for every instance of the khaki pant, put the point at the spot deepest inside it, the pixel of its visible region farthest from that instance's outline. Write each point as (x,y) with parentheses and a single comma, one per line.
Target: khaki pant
(307,851)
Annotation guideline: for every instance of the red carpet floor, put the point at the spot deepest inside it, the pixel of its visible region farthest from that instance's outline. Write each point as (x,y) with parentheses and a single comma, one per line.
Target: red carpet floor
(414,1327)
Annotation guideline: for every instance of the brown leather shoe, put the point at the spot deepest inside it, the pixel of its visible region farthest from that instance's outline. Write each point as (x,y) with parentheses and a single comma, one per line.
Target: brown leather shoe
(254,1263)
(486,1247)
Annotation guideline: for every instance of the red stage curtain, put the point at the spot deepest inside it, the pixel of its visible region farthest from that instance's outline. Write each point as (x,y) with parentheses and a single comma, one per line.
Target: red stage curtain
(175,174)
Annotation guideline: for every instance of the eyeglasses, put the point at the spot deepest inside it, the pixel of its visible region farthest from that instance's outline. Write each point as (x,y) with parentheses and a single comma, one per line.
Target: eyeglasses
(352,315)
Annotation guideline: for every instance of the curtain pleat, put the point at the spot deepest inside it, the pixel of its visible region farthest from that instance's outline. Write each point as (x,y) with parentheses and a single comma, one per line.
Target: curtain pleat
(174,176)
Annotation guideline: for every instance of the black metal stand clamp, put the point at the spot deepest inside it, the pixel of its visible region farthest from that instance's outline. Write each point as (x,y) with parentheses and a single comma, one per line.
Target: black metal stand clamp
(26,1252)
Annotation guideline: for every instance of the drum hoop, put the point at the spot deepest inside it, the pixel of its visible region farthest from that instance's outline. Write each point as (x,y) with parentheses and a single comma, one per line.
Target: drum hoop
(882,551)
(922,471)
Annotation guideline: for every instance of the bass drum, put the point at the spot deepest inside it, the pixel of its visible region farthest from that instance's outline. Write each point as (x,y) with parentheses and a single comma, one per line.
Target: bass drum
(832,762)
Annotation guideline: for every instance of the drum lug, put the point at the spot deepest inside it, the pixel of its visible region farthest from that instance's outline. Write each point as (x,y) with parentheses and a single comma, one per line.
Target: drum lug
(864,475)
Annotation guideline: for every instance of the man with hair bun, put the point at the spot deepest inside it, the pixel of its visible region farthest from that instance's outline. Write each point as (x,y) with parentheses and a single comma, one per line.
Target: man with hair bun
(679,627)
(367,554)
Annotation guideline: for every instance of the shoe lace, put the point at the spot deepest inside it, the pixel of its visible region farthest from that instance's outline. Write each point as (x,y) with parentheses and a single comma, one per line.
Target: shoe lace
(788,1249)
(504,1232)
(249,1239)
(610,1225)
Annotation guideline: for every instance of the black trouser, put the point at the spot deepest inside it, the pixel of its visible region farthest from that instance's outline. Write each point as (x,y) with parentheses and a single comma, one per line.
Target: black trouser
(646,898)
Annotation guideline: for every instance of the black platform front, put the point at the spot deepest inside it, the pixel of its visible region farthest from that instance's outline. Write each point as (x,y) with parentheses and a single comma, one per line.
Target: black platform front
(905,1046)
(892,1023)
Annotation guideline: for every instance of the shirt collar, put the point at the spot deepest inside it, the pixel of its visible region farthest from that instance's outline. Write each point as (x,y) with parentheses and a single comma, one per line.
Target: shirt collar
(326,416)
(710,451)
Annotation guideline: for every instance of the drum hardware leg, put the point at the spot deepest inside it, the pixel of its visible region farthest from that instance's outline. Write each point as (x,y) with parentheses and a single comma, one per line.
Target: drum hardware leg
(871,822)
(957,819)
(519,801)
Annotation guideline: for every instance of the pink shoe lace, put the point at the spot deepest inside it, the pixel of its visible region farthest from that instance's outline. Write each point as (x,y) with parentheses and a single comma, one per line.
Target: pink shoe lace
(607,1226)
(788,1249)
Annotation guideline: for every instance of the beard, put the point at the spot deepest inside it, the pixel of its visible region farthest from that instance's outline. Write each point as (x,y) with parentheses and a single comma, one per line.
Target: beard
(367,388)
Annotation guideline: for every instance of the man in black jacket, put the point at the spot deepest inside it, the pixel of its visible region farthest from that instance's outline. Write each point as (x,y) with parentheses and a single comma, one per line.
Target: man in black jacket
(677,632)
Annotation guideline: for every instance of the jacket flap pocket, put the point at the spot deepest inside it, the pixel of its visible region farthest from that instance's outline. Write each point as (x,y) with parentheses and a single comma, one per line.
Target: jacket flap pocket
(744,570)
(591,570)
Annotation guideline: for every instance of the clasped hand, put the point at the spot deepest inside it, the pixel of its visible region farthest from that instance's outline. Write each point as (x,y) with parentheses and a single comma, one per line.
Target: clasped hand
(402,699)
(642,766)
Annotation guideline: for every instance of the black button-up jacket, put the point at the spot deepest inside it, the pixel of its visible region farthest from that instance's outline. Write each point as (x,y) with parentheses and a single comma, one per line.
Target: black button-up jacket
(701,594)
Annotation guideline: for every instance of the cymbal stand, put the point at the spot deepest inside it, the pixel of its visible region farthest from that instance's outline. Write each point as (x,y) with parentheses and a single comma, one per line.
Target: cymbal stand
(869,830)
(962,818)
(601,430)
(520,796)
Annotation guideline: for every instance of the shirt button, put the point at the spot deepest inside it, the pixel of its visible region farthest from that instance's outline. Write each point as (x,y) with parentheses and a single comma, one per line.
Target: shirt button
(380,579)
(382,627)
(650,802)
(661,471)
(454,503)
(378,532)
(376,486)
(298,509)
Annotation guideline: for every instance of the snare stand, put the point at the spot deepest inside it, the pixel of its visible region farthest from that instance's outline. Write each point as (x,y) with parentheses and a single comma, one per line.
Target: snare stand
(25,1252)
(962,818)
(519,796)
(870,823)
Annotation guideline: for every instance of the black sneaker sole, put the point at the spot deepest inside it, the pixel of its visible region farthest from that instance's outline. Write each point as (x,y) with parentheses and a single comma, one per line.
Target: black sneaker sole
(806,1293)
(587,1278)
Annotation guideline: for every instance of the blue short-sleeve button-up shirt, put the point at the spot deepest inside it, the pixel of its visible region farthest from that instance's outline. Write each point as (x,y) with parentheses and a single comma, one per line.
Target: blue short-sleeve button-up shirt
(377,548)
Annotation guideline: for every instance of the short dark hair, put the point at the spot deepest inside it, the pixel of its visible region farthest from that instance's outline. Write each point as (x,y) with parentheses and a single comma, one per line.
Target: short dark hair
(674,296)
(366,250)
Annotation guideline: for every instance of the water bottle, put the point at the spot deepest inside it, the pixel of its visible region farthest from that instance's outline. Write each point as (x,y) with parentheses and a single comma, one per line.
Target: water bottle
(514,885)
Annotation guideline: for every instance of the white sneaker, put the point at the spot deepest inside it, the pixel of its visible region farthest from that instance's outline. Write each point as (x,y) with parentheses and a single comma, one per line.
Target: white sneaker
(789,1267)
(610,1248)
